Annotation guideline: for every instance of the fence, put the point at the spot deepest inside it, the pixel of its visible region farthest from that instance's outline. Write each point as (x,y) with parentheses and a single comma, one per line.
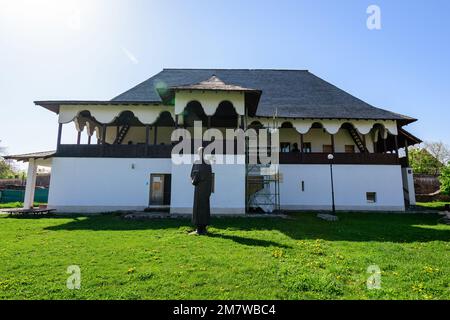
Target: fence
(7,195)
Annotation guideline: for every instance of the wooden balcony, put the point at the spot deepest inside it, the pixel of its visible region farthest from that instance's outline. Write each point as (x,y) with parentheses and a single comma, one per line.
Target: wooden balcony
(339,158)
(113,151)
(164,151)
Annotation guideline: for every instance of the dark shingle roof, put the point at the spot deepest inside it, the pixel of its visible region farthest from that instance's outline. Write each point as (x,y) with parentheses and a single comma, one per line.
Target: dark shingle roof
(294,93)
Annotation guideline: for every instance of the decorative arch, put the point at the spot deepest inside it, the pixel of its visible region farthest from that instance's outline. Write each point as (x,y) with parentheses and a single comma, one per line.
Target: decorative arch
(127,117)
(165,120)
(108,113)
(194,112)
(225,115)
(332,126)
(209,100)
(255,125)
(287,125)
(379,130)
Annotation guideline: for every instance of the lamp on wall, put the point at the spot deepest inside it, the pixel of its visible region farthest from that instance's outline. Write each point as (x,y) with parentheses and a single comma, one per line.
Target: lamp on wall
(331,158)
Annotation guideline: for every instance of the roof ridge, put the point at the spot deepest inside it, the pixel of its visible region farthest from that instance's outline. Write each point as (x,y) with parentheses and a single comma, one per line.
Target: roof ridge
(237,69)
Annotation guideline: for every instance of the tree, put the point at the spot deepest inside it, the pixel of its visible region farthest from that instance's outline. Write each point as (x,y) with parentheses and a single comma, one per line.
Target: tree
(423,162)
(439,150)
(6,170)
(444,179)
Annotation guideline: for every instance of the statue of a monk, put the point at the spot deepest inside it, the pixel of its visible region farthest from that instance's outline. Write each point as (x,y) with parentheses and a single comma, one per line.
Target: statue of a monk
(201,175)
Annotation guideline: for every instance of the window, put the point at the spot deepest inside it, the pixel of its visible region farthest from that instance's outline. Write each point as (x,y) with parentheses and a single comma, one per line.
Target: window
(285,147)
(327,148)
(371,197)
(306,147)
(349,148)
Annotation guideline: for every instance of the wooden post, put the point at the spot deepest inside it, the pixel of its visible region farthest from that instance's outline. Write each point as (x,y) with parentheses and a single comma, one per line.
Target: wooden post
(384,145)
(396,144)
(104,134)
(89,139)
(301,142)
(147,138)
(117,132)
(209,122)
(242,122)
(58,141)
(406,153)
(155,138)
(332,143)
(79,137)
(176,121)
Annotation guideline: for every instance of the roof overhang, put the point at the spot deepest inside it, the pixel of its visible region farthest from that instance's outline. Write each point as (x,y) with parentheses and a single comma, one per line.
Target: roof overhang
(408,137)
(35,155)
(54,105)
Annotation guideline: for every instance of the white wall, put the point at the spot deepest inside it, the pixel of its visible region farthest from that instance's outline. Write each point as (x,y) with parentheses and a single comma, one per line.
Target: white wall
(351,182)
(108,184)
(229,193)
(102,184)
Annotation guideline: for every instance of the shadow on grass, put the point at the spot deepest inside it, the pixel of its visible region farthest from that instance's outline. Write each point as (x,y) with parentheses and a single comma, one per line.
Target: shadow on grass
(248,241)
(382,227)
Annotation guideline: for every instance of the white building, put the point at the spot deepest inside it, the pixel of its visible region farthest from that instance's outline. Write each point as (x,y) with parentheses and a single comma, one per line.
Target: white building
(127,164)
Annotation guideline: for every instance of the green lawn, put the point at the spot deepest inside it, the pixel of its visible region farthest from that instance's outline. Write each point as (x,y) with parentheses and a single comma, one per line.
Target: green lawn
(242,258)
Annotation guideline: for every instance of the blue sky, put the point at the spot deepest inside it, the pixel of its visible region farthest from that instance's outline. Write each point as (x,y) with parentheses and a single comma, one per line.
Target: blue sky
(55,49)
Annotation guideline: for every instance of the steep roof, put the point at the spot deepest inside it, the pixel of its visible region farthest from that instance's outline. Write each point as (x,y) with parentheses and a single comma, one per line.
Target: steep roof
(293,93)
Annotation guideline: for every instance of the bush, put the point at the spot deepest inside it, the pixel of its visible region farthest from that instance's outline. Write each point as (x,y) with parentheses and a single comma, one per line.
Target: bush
(444,178)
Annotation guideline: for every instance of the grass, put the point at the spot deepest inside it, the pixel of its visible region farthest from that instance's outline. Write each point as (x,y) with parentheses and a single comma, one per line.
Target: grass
(8,205)
(435,205)
(242,258)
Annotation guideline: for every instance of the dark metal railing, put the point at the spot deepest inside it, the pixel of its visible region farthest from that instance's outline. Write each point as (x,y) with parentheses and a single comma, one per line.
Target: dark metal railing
(164,151)
(114,151)
(339,158)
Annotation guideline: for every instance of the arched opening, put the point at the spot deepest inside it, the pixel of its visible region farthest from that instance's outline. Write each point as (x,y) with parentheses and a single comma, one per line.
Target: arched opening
(286,125)
(85,122)
(317,125)
(194,112)
(225,116)
(255,125)
(289,138)
(379,139)
(125,129)
(126,118)
(349,139)
(165,120)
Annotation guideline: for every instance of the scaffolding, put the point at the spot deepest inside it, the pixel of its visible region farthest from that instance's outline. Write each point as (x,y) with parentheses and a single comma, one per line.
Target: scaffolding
(262,180)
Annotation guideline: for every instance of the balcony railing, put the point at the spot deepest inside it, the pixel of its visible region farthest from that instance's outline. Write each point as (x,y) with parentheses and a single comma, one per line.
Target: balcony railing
(339,158)
(164,151)
(114,151)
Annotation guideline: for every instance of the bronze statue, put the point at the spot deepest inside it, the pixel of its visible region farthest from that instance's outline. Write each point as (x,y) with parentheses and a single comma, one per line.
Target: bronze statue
(201,175)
